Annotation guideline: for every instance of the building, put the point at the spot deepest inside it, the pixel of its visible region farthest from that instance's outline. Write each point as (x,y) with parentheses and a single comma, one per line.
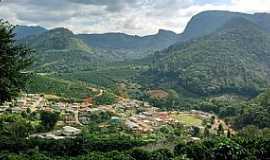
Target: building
(70,131)
(115,120)
(69,117)
(131,125)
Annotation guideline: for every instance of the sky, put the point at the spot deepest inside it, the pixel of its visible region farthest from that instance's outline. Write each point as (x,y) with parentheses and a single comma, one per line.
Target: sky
(140,17)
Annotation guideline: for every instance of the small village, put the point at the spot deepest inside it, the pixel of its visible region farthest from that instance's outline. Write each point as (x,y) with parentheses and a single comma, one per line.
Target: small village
(137,116)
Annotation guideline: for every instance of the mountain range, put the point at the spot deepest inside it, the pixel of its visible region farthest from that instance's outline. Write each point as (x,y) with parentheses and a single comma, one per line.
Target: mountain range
(218,52)
(60,49)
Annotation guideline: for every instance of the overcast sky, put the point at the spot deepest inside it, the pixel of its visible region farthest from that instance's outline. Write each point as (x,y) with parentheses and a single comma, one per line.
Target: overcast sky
(140,17)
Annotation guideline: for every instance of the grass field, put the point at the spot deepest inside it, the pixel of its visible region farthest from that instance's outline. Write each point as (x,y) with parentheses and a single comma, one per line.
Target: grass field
(188,119)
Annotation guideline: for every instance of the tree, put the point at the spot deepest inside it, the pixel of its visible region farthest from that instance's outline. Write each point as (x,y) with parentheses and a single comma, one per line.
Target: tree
(180,149)
(140,154)
(220,130)
(48,119)
(14,129)
(161,154)
(227,149)
(14,60)
(195,131)
(206,132)
(197,151)
(106,98)
(229,133)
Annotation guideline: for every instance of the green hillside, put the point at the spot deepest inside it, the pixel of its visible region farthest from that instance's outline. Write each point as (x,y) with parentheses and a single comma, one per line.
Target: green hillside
(55,86)
(59,50)
(25,31)
(232,60)
(57,39)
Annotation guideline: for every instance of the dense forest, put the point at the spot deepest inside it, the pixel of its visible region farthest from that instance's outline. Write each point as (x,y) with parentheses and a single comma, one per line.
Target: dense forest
(234,59)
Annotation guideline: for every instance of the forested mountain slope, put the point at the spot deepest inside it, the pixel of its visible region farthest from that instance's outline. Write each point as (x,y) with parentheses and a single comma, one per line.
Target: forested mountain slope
(24,31)
(60,50)
(161,40)
(234,59)
(208,22)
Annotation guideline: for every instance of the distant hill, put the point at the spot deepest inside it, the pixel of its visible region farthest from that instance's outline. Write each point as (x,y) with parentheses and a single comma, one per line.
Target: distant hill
(208,22)
(59,50)
(234,59)
(57,39)
(24,31)
(161,40)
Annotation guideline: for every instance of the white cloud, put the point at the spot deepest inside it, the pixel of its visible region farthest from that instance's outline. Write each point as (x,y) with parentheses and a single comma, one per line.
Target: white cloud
(130,16)
(251,5)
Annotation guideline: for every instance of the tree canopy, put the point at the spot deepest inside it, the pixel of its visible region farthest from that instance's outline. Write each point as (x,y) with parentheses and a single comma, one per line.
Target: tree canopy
(13,60)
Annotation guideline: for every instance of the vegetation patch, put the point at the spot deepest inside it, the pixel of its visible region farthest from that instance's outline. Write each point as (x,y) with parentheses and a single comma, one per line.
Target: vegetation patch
(158,94)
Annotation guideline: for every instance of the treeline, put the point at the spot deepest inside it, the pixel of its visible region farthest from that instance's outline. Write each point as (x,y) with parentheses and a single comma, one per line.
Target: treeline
(222,148)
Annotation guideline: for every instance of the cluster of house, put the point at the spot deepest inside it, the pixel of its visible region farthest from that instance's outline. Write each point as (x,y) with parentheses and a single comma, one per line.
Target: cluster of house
(24,102)
(148,121)
(136,115)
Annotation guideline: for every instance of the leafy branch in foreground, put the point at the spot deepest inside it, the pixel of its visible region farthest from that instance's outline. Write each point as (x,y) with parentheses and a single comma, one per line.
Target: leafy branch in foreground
(14,60)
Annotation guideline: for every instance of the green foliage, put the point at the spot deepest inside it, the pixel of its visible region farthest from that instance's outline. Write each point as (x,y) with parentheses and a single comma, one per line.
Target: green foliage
(14,126)
(255,113)
(13,132)
(161,154)
(99,117)
(56,86)
(48,120)
(13,60)
(140,154)
(224,149)
(106,98)
(105,76)
(239,115)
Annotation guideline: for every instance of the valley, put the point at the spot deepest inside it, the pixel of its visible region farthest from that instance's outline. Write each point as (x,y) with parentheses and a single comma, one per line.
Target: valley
(201,94)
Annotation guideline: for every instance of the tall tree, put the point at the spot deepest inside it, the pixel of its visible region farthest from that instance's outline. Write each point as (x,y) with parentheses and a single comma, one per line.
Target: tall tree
(13,60)
(48,120)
